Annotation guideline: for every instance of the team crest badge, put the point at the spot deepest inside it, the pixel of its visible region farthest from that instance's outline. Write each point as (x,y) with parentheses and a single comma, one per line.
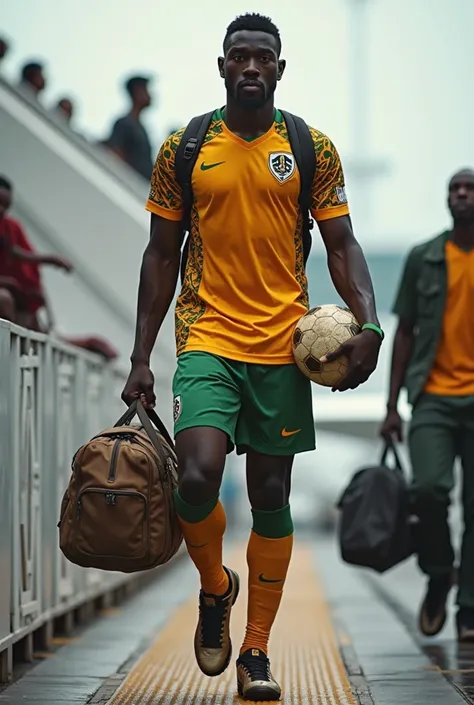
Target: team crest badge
(176,408)
(282,165)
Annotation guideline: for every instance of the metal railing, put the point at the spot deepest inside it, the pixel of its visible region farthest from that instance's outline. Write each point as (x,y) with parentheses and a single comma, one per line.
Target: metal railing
(53,397)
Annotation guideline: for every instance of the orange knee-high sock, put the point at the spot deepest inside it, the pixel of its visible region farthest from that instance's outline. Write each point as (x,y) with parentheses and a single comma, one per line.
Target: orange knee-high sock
(268,558)
(203,530)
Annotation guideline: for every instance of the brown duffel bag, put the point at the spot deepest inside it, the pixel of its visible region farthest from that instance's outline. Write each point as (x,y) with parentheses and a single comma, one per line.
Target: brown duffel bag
(118,511)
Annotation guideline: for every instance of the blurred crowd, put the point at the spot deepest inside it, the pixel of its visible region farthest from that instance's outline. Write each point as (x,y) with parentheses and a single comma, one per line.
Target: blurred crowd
(23,299)
(128,138)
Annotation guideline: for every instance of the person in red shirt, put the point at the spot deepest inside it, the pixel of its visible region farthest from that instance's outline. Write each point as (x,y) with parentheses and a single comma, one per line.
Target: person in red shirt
(21,291)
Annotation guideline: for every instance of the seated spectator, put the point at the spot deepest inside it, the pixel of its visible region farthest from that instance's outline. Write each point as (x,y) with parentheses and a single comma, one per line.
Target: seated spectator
(21,291)
(32,78)
(129,139)
(3,48)
(65,109)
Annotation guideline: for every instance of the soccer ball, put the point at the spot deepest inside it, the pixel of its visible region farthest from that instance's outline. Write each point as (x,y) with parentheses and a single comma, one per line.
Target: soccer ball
(321,331)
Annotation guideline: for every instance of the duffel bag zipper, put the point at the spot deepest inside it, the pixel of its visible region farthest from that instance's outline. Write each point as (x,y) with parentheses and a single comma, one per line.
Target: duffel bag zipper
(164,476)
(113,460)
(120,438)
(110,497)
(115,452)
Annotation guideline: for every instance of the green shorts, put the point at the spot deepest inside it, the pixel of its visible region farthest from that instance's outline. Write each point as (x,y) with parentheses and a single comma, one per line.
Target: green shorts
(267,408)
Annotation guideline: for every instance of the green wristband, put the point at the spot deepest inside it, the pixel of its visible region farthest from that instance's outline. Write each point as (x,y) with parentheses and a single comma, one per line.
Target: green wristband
(376,329)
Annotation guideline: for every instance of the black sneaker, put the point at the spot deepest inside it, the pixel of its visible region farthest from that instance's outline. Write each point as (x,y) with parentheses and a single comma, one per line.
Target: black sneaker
(465,625)
(254,678)
(433,610)
(212,642)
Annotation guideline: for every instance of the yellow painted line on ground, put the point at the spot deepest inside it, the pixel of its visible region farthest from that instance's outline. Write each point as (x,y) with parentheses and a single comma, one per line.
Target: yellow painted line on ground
(63,641)
(303,650)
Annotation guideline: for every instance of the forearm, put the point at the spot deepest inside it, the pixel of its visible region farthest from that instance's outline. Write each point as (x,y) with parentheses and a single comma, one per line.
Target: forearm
(351,278)
(158,277)
(29,256)
(401,353)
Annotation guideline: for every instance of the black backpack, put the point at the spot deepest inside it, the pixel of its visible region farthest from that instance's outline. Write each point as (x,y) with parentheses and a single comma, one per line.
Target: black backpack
(301,144)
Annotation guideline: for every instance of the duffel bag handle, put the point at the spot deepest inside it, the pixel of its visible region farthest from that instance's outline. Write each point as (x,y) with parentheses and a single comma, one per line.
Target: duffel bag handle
(146,415)
(137,409)
(390,447)
(128,415)
(160,426)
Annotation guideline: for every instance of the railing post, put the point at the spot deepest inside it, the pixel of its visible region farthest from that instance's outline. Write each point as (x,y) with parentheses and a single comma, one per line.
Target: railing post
(6,481)
(27,481)
(66,392)
(49,509)
(15,405)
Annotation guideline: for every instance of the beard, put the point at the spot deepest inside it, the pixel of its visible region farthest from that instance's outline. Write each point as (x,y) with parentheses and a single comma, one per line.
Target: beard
(462,216)
(251,102)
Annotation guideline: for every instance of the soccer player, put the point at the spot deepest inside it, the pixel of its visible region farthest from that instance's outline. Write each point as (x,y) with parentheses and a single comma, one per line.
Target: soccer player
(433,357)
(244,290)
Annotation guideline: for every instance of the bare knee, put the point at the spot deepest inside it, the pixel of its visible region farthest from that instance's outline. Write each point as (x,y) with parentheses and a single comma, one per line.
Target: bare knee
(7,305)
(201,460)
(268,481)
(270,494)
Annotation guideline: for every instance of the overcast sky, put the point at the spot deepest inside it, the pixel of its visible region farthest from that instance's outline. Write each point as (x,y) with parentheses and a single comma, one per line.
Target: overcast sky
(421,62)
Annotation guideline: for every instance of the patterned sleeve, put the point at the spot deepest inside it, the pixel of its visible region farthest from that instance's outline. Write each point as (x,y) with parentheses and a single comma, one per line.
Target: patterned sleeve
(329,198)
(165,198)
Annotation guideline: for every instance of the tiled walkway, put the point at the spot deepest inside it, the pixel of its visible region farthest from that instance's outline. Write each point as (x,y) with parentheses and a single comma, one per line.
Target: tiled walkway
(342,638)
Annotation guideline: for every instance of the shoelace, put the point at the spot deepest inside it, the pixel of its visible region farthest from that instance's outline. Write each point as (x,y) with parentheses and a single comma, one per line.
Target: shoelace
(212,624)
(257,667)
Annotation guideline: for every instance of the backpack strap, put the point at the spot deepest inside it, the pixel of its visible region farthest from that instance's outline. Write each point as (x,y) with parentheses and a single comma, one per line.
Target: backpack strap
(185,159)
(302,146)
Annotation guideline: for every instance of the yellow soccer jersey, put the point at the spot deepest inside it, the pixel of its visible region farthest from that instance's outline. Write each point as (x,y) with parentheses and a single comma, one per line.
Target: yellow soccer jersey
(245,286)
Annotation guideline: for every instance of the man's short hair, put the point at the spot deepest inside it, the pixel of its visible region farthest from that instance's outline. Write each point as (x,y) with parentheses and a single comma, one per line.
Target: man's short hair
(252,22)
(30,68)
(465,171)
(4,47)
(136,82)
(5,184)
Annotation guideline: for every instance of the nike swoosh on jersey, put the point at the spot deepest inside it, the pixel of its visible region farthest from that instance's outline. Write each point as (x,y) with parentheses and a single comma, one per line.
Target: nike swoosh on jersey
(205,167)
(268,580)
(286,433)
